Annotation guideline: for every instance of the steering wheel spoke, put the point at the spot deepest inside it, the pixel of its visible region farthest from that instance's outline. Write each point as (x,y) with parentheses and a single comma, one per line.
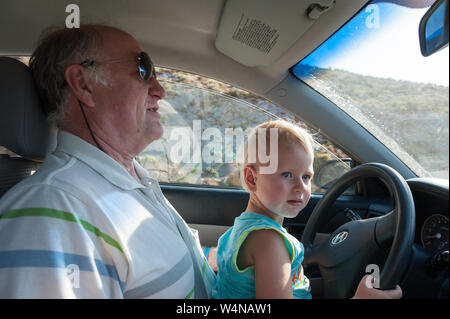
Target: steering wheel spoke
(332,284)
(313,254)
(385,230)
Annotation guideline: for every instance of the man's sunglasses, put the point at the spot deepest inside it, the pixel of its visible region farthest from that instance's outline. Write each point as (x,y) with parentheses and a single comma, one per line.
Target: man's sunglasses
(146,69)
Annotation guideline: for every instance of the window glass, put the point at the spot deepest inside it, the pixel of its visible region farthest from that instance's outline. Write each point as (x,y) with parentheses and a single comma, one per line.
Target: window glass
(205,124)
(373,69)
(5,151)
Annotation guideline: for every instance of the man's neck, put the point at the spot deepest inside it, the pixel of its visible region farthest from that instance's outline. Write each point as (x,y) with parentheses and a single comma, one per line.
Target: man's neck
(124,159)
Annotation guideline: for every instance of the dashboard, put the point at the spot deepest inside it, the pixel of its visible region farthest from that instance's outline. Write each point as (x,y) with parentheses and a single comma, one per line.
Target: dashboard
(432,212)
(431,198)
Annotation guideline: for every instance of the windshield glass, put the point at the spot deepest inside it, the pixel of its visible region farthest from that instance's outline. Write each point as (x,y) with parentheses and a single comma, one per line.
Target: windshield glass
(373,70)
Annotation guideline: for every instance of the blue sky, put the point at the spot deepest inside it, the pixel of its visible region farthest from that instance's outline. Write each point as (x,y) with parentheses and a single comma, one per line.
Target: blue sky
(382,41)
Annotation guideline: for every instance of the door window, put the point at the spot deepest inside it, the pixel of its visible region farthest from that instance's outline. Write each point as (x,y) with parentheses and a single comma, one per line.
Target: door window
(205,125)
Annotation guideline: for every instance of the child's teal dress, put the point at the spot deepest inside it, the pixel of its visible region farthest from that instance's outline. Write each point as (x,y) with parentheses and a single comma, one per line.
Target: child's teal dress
(233,283)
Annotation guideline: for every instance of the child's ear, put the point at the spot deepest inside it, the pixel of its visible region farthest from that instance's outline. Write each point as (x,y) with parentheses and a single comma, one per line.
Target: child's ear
(250,176)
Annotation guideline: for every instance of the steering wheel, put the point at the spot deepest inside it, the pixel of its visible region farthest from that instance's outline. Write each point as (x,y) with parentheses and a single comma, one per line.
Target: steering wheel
(360,244)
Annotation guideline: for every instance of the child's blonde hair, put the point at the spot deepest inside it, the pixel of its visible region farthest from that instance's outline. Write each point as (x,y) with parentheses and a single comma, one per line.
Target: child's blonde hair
(287,132)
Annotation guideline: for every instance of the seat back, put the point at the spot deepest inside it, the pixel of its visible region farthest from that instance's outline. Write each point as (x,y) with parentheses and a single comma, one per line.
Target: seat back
(23,127)
(13,170)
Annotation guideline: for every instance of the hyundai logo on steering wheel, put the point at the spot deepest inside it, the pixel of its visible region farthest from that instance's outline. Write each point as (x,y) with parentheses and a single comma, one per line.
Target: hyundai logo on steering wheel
(339,238)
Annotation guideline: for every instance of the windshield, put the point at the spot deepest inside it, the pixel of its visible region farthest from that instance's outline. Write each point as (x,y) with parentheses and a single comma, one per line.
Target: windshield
(373,70)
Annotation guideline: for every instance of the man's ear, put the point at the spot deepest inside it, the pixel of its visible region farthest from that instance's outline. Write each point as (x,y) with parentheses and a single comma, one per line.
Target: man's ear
(250,176)
(76,78)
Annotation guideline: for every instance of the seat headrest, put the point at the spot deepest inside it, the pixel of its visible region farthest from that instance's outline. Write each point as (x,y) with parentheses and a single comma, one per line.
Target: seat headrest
(23,127)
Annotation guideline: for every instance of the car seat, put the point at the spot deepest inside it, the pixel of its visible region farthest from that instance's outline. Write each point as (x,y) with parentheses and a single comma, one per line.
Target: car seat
(23,127)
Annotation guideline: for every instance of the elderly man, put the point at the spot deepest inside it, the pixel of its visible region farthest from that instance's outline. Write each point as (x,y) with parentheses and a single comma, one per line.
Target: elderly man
(90,223)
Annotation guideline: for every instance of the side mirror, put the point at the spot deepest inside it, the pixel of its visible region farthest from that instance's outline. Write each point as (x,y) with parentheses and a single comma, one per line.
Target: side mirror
(433,29)
(329,171)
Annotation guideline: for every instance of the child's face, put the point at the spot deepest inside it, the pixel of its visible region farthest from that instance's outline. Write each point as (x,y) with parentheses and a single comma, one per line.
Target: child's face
(286,192)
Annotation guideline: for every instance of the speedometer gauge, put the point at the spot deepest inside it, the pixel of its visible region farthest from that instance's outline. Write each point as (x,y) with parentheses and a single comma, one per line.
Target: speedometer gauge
(435,233)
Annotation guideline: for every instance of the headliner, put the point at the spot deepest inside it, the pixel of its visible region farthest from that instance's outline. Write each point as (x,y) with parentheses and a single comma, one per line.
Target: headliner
(178,34)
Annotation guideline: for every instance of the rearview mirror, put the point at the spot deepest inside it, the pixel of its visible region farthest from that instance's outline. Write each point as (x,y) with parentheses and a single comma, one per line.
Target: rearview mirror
(433,29)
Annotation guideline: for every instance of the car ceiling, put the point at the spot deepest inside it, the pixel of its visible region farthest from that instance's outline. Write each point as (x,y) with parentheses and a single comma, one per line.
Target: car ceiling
(177,33)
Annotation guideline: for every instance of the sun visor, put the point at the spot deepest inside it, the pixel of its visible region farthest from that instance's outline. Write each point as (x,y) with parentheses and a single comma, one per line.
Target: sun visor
(258,32)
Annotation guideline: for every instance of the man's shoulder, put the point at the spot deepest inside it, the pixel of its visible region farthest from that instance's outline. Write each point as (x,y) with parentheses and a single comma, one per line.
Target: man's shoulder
(32,194)
(60,168)
(47,183)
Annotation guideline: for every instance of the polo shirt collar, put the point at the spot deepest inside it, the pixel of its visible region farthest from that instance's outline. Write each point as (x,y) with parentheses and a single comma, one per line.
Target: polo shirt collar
(99,161)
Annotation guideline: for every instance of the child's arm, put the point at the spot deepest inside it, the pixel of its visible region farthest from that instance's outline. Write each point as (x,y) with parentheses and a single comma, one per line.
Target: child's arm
(211,257)
(266,250)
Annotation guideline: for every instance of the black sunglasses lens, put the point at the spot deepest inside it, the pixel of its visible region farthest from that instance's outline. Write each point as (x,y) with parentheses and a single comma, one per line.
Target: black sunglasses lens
(146,69)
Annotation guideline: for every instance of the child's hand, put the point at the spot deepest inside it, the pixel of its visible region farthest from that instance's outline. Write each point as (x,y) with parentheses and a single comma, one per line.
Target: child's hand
(366,292)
